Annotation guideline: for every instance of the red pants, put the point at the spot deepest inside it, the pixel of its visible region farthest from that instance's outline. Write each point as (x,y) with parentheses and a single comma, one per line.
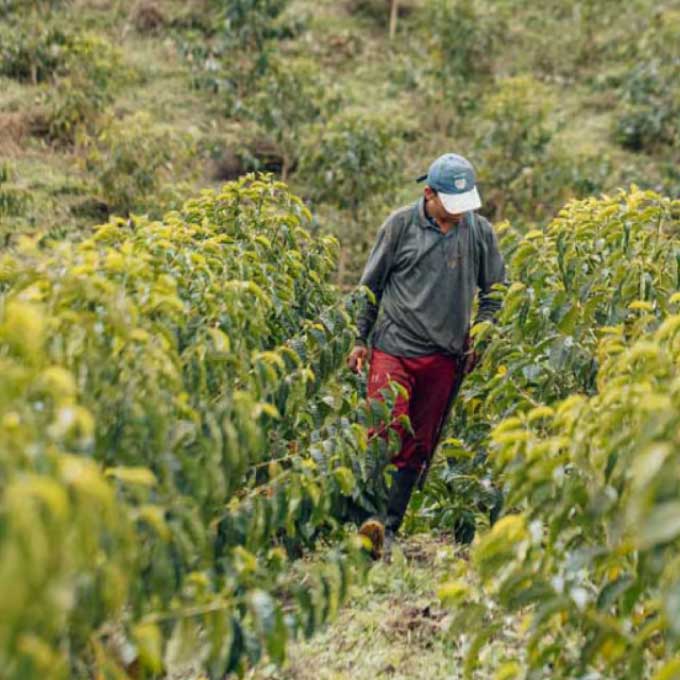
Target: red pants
(429,381)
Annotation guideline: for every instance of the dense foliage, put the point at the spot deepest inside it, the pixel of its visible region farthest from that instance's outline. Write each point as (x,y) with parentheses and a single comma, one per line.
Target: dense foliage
(174,432)
(579,385)
(176,428)
(170,438)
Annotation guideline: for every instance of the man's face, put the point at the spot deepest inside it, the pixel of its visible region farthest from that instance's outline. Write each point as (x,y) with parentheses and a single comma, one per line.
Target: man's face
(436,208)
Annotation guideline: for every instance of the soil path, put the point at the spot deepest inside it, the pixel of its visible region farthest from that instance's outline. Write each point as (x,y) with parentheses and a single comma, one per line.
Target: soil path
(393,627)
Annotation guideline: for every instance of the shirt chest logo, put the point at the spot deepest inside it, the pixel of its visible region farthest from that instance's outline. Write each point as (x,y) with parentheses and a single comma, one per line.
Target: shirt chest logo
(454,257)
(454,261)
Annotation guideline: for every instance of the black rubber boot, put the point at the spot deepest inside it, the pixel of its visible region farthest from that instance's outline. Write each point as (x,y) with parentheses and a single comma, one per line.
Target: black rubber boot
(403,482)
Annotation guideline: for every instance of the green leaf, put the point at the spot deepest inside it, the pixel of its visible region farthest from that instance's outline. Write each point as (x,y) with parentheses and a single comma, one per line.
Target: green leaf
(660,525)
(453,593)
(345,479)
(149,641)
(669,671)
(132,475)
(269,623)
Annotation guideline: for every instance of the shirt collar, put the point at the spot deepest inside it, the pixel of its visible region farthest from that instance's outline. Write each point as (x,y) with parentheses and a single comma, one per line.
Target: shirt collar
(426,222)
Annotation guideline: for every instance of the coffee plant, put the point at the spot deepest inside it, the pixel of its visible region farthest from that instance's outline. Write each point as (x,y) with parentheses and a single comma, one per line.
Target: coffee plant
(460,43)
(31,56)
(47,52)
(649,91)
(353,160)
(596,551)
(353,164)
(512,142)
(237,45)
(75,105)
(574,405)
(83,70)
(290,97)
(132,160)
(172,436)
(251,24)
(8,7)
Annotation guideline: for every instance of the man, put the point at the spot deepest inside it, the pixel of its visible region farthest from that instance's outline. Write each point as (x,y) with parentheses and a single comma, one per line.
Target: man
(428,262)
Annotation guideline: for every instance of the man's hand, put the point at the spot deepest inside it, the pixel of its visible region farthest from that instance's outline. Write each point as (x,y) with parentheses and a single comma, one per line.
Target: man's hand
(357,358)
(470,357)
(471,360)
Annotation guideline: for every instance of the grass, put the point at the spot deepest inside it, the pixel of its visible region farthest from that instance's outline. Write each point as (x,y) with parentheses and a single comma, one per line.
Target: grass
(395,627)
(348,40)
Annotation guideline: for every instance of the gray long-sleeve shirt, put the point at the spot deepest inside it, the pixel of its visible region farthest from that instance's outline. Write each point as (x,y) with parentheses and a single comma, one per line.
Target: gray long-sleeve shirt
(425,281)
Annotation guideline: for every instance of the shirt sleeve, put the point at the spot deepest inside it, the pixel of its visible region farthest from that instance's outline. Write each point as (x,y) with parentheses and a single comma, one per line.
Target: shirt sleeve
(375,275)
(491,271)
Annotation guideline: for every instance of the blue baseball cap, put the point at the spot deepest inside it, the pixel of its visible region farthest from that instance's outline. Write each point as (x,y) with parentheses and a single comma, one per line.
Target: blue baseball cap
(453,178)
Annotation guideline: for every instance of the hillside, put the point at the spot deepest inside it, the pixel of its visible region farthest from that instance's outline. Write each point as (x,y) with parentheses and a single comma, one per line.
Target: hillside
(113,106)
(188,192)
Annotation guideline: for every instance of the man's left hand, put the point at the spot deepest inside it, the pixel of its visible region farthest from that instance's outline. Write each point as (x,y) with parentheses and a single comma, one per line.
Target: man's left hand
(470,361)
(470,356)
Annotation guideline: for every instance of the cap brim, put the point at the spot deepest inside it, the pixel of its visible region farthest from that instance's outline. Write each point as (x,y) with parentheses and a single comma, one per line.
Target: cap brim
(460,203)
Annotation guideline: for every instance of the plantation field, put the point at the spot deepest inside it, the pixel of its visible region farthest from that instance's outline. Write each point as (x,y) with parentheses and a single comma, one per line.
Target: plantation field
(188,192)
(117,106)
(156,506)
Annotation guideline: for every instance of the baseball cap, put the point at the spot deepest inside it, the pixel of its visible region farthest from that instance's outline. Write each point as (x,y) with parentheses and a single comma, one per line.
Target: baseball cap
(453,178)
